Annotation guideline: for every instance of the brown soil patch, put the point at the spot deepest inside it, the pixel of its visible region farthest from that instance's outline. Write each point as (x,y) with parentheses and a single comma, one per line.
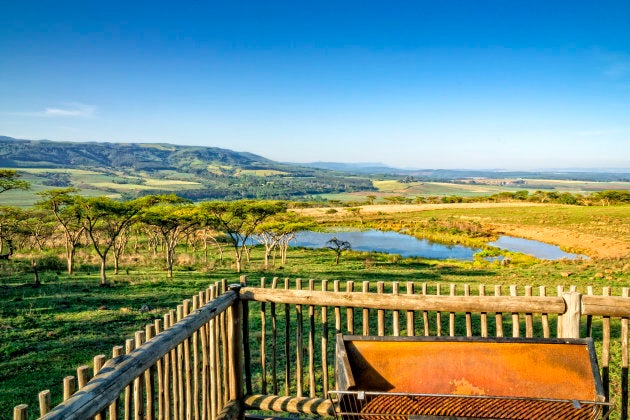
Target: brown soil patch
(584,243)
(409,208)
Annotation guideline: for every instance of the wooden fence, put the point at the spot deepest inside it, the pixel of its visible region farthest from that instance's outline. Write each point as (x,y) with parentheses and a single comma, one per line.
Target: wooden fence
(202,367)
(186,362)
(289,341)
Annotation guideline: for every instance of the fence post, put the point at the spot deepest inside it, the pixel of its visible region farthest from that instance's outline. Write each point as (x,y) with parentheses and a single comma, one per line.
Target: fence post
(20,412)
(570,326)
(235,326)
(244,317)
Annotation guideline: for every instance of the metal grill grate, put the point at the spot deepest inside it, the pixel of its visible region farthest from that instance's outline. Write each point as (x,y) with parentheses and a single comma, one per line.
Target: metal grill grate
(354,405)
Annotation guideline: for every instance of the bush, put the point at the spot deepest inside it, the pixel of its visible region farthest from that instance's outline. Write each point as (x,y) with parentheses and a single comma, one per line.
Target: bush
(51,263)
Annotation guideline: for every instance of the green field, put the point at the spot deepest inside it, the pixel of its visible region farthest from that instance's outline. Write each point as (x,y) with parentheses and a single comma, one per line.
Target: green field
(91,184)
(47,330)
(386,188)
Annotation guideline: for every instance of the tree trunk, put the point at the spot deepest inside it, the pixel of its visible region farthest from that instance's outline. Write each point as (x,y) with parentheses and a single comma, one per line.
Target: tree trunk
(35,273)
(266,260)
(285,249)
(103,275)
(205,250)
(238,255)
(169,261)
(116,258)
(70,250)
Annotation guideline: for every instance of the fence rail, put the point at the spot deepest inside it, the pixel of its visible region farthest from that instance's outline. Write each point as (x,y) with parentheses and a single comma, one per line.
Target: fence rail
(291,347)
(197,364)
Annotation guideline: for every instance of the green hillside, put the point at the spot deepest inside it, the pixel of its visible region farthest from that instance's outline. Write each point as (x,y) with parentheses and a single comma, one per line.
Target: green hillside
(132,169)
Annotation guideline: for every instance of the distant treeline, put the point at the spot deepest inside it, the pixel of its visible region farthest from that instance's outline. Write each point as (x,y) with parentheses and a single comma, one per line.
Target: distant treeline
(271,188)
(603,198)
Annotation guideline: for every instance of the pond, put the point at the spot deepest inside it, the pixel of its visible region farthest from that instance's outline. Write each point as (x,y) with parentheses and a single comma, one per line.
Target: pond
(387,242)
(409,246)
(536,249)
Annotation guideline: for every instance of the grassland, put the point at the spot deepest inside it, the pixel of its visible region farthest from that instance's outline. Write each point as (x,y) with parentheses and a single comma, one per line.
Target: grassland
(46,331)
(391,187)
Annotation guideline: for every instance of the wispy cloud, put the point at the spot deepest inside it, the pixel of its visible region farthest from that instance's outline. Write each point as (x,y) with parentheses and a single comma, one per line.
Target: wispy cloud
(599,133)
(617,70)
(614,65)
(69,110)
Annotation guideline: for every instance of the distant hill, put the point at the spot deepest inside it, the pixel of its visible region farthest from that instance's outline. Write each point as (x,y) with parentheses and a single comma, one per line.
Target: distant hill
(455,175)
(193,172)
(357,168)
(137,156)
(129,170)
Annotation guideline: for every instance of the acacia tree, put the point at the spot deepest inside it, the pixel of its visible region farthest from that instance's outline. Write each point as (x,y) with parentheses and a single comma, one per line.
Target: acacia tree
(63,205)
(207,234)
(104,219)
(39,226)
(338,246)
(174,218)
(10,180)
(239,220)
(278,231)
(10,218)
(119,247)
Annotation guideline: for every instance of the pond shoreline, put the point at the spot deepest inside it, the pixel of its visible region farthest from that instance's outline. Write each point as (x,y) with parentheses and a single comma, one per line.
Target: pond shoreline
(591,244)
(570,241)
(398,243)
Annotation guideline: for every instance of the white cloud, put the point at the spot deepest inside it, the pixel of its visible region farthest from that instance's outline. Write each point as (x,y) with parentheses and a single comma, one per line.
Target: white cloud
(70,110)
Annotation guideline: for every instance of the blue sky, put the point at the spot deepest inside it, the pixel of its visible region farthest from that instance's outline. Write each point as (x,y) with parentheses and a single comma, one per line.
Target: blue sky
(423,84)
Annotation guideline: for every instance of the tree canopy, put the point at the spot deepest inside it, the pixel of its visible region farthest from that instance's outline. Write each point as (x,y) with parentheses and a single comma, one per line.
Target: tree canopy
(239,219)
(10,180)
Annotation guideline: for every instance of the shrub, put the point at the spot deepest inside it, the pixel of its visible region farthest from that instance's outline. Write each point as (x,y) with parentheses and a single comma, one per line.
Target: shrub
(51,262)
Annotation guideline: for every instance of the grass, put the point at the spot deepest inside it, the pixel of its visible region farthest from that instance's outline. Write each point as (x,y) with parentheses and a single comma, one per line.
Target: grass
(47,331)
(437,188)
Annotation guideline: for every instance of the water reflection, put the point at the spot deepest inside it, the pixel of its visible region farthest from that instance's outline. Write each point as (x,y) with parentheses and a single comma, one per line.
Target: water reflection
(536,249)
(409,246)
(388,242)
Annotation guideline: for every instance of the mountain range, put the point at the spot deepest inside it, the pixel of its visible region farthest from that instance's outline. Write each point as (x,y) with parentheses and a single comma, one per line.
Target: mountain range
(202,172)
(199,173)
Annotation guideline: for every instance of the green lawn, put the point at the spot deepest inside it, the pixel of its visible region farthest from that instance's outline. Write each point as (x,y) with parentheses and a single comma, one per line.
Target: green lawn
(47,331)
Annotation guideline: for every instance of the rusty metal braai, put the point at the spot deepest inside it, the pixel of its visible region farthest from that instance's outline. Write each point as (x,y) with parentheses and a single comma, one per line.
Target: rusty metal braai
(400,378)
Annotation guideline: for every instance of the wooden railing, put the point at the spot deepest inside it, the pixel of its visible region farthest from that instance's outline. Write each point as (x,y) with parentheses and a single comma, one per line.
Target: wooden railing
(184,363)
(202,367)
(290,344)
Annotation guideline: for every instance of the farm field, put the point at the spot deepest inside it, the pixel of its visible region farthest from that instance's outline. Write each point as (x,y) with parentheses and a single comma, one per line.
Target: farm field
(387,188)
(90,183)
(46,331)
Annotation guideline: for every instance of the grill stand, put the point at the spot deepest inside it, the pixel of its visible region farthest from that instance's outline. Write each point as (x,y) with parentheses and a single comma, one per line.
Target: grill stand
(370,379)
